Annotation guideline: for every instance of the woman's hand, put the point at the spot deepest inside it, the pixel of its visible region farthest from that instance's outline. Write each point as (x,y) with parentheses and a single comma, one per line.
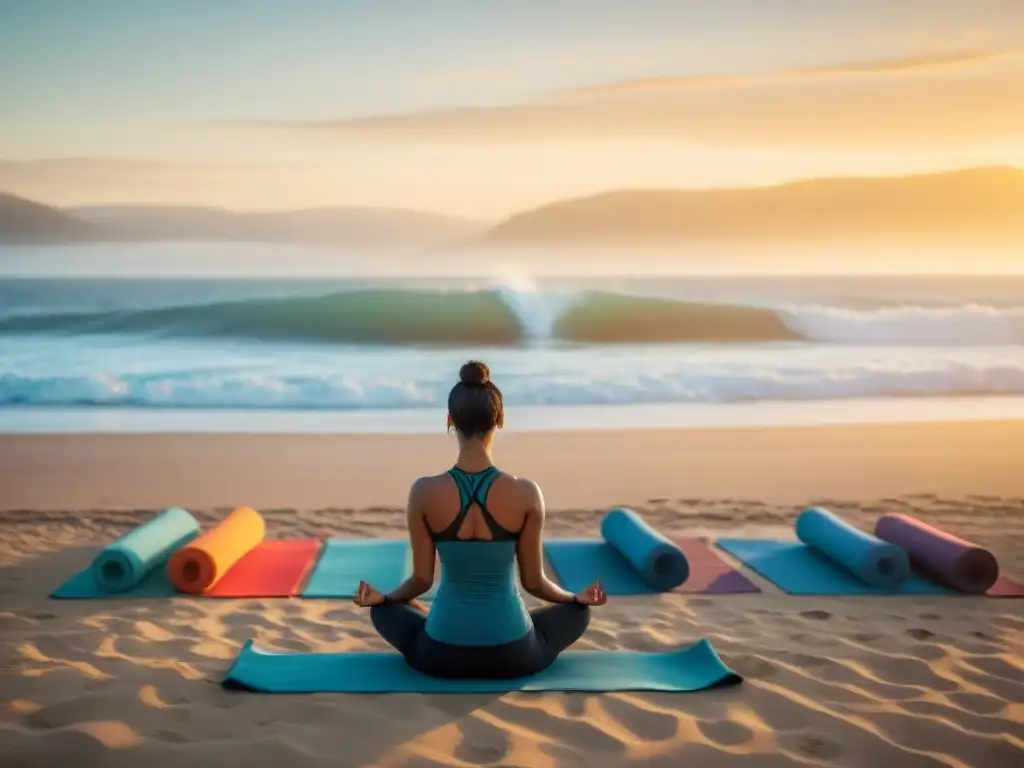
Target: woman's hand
(592,595)
(367,596)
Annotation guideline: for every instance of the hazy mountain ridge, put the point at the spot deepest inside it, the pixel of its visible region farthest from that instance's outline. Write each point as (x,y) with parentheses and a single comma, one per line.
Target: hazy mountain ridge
(26,221)
(982,204)
(975,202)
(365,227)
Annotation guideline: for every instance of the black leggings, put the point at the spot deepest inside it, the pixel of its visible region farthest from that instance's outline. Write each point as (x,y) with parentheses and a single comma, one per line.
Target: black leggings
(555,628)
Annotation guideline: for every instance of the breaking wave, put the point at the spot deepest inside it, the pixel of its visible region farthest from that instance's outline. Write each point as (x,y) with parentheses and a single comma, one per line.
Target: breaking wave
(507,317)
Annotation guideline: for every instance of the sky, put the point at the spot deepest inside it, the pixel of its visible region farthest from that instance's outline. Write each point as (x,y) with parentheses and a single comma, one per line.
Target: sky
(483,109)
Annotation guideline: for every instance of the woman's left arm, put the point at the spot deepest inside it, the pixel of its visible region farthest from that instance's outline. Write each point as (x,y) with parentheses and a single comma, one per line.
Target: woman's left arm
(423,553)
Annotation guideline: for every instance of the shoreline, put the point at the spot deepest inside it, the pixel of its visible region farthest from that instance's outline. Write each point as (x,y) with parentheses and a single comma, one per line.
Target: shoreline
(113,420)
(795,465)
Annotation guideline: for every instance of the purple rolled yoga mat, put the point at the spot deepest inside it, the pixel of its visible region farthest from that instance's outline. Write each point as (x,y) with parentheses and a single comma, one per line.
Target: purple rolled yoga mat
(949,560)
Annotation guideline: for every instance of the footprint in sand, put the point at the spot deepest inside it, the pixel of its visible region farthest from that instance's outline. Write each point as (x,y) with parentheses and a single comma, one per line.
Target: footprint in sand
(812,746)
(487,748)
(920,634)
(816,615)
(894,502)
(294,645)
(929,616)
(752,667)
(725,733)
(865,637)
(170,737)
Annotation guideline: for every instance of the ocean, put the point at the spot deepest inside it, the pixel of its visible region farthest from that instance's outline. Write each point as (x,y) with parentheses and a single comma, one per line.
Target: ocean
(309,354)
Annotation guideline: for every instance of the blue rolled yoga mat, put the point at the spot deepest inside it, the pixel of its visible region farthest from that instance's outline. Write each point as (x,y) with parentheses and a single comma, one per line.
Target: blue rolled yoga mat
(690,669)
(799,570)
(632,558)
(831,558)
(877,563)
(135,564)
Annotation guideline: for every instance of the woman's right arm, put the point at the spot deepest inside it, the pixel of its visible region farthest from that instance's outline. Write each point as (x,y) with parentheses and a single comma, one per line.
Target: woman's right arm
(530,551)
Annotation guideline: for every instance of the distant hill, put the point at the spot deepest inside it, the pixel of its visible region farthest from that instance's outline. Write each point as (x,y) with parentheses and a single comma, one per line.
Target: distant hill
(982,203)
(353,227)
(974,205)
(22,221)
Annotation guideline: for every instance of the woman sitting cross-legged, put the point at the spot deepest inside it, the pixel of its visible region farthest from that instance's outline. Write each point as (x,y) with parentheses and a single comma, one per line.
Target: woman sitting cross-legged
(480,521)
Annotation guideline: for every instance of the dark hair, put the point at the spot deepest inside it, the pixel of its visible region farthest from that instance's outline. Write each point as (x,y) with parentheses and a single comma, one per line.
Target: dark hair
(475,403)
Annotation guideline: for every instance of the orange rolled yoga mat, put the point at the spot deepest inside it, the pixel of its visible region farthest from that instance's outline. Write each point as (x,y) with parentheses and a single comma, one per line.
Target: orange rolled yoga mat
(198,566)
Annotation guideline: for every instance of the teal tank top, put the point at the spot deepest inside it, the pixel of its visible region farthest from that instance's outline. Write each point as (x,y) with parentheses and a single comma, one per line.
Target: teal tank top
(478,600)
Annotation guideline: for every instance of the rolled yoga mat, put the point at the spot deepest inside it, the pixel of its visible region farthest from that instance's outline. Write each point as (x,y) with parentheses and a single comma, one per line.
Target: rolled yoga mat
(958,564)
(831,558)
(198,566)
(877,563)
(135,564)
(632,558)
(689,669)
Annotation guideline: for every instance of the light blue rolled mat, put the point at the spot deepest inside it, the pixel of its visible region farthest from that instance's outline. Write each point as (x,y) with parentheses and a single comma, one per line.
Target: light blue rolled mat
(875,562)
(123,564)
(659,561)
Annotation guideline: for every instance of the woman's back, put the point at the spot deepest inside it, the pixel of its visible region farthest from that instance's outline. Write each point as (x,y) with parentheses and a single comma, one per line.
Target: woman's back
(478,600)
(481,524)
(443,497)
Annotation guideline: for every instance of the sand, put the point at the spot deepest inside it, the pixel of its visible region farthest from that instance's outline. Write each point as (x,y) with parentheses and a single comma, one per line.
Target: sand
(841,682)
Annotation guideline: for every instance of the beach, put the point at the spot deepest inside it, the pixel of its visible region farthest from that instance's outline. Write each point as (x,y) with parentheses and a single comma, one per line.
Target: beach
(739,286)
(853,681)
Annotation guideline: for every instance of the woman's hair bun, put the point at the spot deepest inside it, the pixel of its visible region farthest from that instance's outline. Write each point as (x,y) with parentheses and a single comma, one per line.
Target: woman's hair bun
(474,372)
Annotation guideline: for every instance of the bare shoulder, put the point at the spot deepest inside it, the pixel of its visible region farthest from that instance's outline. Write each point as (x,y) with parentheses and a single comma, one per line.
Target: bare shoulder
(424,486)
(530,493)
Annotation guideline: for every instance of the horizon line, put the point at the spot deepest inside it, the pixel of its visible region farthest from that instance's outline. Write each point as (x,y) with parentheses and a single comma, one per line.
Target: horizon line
(791,181)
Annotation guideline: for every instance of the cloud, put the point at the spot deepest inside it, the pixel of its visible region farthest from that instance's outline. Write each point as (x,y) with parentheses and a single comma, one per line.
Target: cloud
(907,64)
(878,67)
(928,102)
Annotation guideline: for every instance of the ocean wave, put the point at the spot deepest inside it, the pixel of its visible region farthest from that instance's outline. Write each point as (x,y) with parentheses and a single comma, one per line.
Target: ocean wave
(920,325)
(685,381)
(509,317)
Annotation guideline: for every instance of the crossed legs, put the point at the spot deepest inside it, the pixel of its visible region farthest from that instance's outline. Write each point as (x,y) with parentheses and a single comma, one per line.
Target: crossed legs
(556,627)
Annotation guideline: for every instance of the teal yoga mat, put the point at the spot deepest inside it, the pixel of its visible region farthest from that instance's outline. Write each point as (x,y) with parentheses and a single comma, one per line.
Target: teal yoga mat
(690,669)
(343,562)
(136,564)
(875,562)
(631,558)
(578,562)
(384,563)
(800,570)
